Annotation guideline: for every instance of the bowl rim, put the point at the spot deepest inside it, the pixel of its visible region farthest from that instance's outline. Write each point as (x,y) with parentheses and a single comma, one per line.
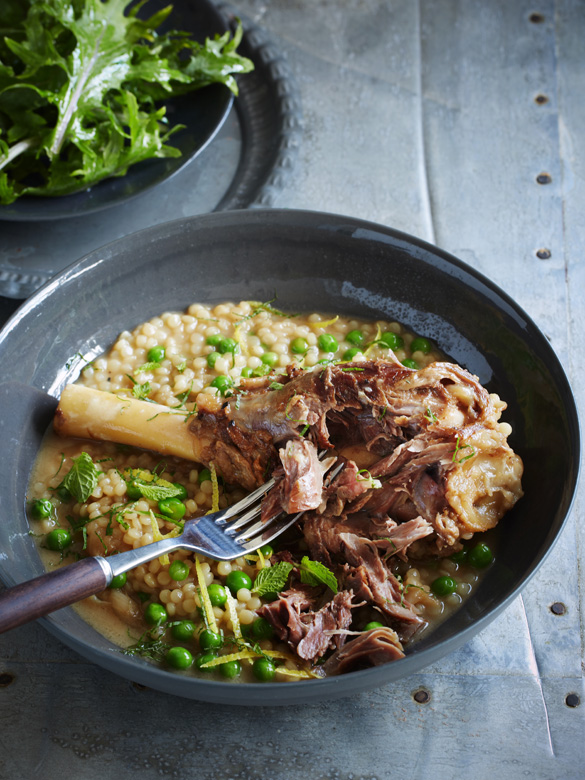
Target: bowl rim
(353,682)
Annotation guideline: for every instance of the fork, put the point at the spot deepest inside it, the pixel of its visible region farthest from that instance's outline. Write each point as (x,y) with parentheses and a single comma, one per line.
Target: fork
(216,535)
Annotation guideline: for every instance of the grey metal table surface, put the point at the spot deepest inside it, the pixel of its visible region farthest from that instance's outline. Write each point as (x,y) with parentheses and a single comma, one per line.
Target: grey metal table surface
(462,123)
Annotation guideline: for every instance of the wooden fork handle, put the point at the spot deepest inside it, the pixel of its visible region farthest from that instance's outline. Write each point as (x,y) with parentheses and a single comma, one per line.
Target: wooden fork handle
(35,598)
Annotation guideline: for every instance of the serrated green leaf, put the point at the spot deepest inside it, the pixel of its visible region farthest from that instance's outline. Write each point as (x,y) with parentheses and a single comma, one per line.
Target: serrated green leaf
(158,490)
(316,573)
(82,477)
(272,579)
(78,85)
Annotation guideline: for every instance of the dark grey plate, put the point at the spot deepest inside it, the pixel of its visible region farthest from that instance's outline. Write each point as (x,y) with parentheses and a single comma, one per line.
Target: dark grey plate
(202,112)
(311,261)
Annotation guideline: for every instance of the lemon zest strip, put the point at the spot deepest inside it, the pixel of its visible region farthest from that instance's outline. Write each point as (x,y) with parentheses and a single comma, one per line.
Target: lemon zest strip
(205,600)
(324,323)
(231,608)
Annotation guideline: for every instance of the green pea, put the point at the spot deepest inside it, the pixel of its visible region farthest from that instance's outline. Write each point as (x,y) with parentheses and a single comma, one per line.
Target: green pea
(223,383)
(480,556)
(212,359)
(156,354)
(373,624)
(133,490)
(183,630)
(237,579)
(41,509)
(410,363)
(230,669)
(391,340)
(214,340)
(58,539)
(262,629)
(217,594)
(178,570)
(263,669)
(209,640)
(355,337)
(327,343)
(421,344)
(155,614)
(227,345)
(183,494)
(299,345)
(118,581)
(443,586)
(350,353)
(269,358)
(205,658)
(247,372)
(204,476)
(246,629)
(179,658)
(267,550)
(173,508)
(460,556)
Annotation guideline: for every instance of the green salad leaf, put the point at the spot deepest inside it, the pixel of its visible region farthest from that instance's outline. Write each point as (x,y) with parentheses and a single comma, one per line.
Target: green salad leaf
(80,83)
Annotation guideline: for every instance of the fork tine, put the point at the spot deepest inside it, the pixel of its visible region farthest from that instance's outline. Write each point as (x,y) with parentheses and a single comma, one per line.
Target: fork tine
(241,521)
(271,531)
(261,526)
(251,498)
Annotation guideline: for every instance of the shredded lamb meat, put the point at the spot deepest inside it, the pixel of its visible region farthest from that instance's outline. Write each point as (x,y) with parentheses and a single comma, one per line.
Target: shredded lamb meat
(440,469)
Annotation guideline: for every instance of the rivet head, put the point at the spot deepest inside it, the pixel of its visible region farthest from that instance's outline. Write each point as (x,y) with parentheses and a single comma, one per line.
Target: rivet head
(421,696)
(536,18)
(6,679)
(543,254)
(544,178)
(541,99)
(558,608)
(572,700)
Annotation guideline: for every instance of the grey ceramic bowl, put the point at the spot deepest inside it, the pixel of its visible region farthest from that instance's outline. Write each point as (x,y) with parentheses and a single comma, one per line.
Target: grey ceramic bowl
(311,261)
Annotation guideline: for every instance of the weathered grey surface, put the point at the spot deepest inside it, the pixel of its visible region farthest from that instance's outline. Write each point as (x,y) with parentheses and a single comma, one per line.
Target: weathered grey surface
(421,116)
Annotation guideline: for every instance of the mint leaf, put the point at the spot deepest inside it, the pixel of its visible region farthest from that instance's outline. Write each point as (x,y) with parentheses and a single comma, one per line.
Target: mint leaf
(147,367)
(141,391)
(272,579)
(315,573)
(82,478)
(158,490)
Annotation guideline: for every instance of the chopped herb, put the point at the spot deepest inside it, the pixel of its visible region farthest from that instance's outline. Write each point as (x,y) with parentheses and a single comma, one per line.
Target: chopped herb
(148,646)
(182,397)
(151,366)
(458,448)
(275,386)
(104,545)
(181,366)
(60,465)
(430,415)
(273,579)
(374,483)
(72,360)
(353,368)
(141,391)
